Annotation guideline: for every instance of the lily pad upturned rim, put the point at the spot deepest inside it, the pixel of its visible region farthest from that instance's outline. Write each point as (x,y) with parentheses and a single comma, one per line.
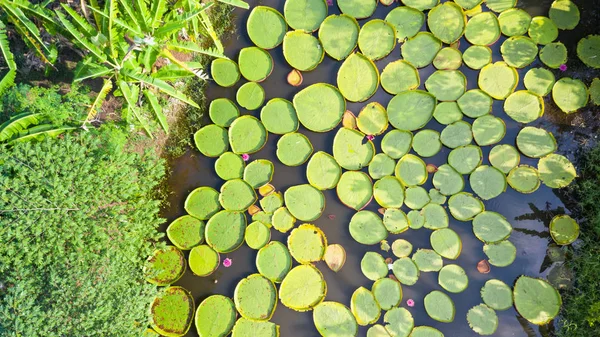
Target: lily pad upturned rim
(250,102)
(175,292)
(346,73)
(556,233)
(290,299)
(211,308)
(256,39)
(268,309)
(331,48)
(219,65)
(171,273)
(514,182)
(536,300)
(244,63)
(311,250)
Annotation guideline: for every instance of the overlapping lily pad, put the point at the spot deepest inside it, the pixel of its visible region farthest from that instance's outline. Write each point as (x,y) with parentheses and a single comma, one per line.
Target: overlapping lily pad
(202,203)
(477,57)
(274,261)
(565,14)
(302,51)
(294,149)
(536,142)
(387,292)
(457,134)
(172,311)
(334,319)
(498,80)
(320,107)
(416,197)
(539,81)
(303,288)
(453,278)
(247,135)
(351,151)
(411,110)
(237,194)
(514,22)
(364,307)
(436,216)
(258,173)
(339,35)
(524,106)
(447,180)
(407,21)
(367,228)
(323,171)
(411,170)
(283,220)
(421,4)
(399,76)
(304,202)
(475,103)
(564,229)
(225,231)
(186,232)
(215,316)
(266,27)
(500,5)
(447,113)
(406,271)
(542,30)
(465,159)
(519,51)
(381,165)
(305,15)
(536,300)
(396,143)
(279,116)
(255,297)
(446,85)
(358,78)
(372,119)
(420,50)
(448,58)
(388,192)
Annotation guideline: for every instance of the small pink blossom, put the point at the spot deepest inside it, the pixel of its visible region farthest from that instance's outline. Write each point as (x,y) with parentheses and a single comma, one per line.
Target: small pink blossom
(331,216)
(410,302)
(246,157)
(563,67)
(370,137)
(227,263)
(329,2)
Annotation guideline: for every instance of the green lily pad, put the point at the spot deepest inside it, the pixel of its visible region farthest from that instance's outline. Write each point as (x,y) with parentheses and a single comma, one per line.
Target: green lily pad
(411,110)
(377,38)
(570,94)
(381,165)
(416,220)
(498,80)
(388,293)
(359,9)
(350,151)
(448,59)
(464,206)
(303,288)
(305,202)
(477,57)
(416,197)
(426,331)
(406,271)
(396,143)
(272,202)
(447,22)
(482,319)
(565,14)
(402,248)
(339,35)
(283,220)
(426,143)
(306,15)
(257,235)
(372,119)
(420,50)
(595,91)
(294,149)
(202,203)
(465,159)
(542,30)
(453,278)
(488,182)
(165,266)
(364,307)
(225,231)
(497,295)
(172,311)
(358,78)
(186,232)
(246,327)
(535,142)
(437,197)
(395,220)
(259,173)
(468,4)
(373,266)
(334,319)
(323,171)
(264,217)
(399,322)
(247,135)
(367,228)
(491,227)
(514,22)
(399,76)
(446,242)
(524,106)
(488,130)
(388,192)
(279,116)
(266,27)
(203,260)
(588,50)
(564,230)
(524,179)
(427,260)
(457,134)
(274,261)
(435,216)
(439,306)
(255,297)
(501,254)
(446,85)
(483,29)
(230,166)
(504,157)
(237,195)
(320,107)
(475,103)
(500,5)
(447,113)
(307,243)
(223,112)
(536,300)
(407,21)
(519,51)
(447,180)
(411,170)
(421,4)
(225,72)
(554,54)
(211,140)
(256,64)
(215,316)
(302,51)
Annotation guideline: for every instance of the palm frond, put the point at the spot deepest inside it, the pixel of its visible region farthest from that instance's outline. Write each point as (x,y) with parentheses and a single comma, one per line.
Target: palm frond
(157,109)
(27,29)
(131,98)
(40,132)
(157,11)
(81,22)
(9,78)
(18,124)
(211,32)
(132,16)
(236,3)
(160,85)
(172,72)
(87,69)
(80,37)
(191,47)
(99,100)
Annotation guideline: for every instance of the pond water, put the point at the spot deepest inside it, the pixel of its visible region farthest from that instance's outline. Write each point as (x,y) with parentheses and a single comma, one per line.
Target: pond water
(529,214)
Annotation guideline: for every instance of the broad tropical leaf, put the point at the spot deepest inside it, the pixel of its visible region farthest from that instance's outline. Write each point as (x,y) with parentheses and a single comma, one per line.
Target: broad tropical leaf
(18,123)
(188,47)
(236,3)
(131,99)
(27,29)
(88,69)
(160,85)
(40,132)
(106,88)
(157,109)
(172,72)
(211,31)
(9,78)
(81,22)
(80,38)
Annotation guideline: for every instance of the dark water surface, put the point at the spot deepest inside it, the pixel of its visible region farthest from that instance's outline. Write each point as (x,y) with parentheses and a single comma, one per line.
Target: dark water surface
(529,214)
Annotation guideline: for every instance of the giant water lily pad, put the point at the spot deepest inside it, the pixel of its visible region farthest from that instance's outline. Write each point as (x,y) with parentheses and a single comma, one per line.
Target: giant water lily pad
(274,261)
(334,319)
(519,51)
(491,227)
(465,159)
(230,166)
(320,107)
(477,57)
(447,113)
(416,197)
(427,260)
(514,22)
(186,232)
(399,76)
(395,220)
(172,311)
(504,157)
(372,119)
(388,293)
(406,20)
(237,194)
(399,322)
(283,220)
(246,327)
(464,206)
(416,220)
(381,165)
(396,143)
(211,140)
(351,151)
(554,55)
(501,254)
(388,192)
(497,295)
(488,182)
(421,4)
(256,64)
(202,203)
(303,288)
(421,49)
(215,316)
(411,170)
(302,51)
(377,38)
(305,15)
(457,134)
(294,149)
(542,30)
(223,112)
(435,216)
(536,142)
(446,242)
(359,9)
(203,260)
(500,5)
(524,106)
(588,50)
(469,4)
(307,243)
(570,94)
(367,228)
(266,27)
(498,80)
(483,29)
(446,85)
(323,171)
(564,229)
(364,306)
(373,266)
(358,78)
(257,235)
(224,72)
(488,130)
(475,103)
(225,231)
(165,266)
(304,202)
(524,179)
(453,278)
(401,248)
(279,116)
(565,14)
(439,306)
(536,300)
(411,110)
(339,35)
(595,91)
(255,297)
(406,271)
(447,22)
(426,331)
(426,143)
(447,180)
(247,135)
(259,173)
(482,319)
(448,59)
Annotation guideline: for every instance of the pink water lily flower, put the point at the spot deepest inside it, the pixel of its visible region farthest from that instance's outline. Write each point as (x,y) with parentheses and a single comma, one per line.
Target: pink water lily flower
(329,2)
(563,67)
(370,137)
(410,302)
(227,262)
(246,157)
